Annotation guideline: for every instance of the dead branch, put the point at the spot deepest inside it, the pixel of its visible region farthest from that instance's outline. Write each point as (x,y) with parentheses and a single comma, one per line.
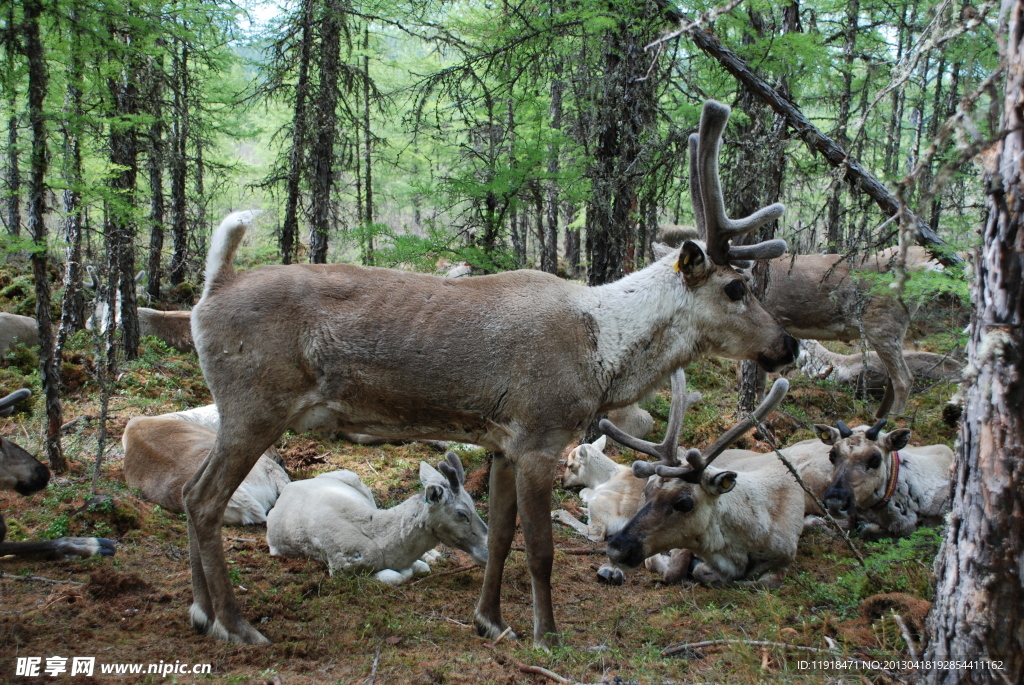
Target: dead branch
(580,551)
(906,635)
(672,650)
(460,569)
(40,579)
(503,659)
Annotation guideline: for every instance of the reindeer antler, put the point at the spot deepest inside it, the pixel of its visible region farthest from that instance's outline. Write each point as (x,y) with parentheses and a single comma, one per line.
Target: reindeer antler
(7,403)
(844,430)
(669,467)
(709,209)
(451,467)
(665,451)
(872,433)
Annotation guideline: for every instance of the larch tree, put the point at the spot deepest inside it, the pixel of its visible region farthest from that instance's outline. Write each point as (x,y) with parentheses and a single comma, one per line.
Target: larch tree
(978,612)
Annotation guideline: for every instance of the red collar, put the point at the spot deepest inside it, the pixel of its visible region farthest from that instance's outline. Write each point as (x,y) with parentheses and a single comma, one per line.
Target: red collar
(890,488)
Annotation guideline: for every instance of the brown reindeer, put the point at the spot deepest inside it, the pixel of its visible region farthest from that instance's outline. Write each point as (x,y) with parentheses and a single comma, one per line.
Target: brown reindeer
(518,362)
(741,523)
(24,474)
(821,297)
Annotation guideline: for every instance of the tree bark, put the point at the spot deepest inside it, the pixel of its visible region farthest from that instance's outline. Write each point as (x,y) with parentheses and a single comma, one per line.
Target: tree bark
(156,178)
(367,151)
(13,172)
(49,365)
(979,601)
(549,252)
(325,133)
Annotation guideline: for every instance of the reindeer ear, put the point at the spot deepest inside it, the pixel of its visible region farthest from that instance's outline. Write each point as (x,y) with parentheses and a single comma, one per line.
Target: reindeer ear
(434,493)
(429,475)
(693,264)
(660,250)
(827,434)
(600,443)
(897,440)
(720,483)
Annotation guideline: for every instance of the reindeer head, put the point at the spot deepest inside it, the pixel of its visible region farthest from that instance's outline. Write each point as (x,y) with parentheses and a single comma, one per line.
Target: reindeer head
(709,269)
(452,516)
(862,464)
(580,461)
(19,470)
(680,499)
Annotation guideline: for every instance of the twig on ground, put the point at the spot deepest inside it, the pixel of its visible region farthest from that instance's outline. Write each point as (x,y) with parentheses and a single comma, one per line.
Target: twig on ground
(682,647)
(581,551)
(526,668)
(9,576)
(444,573)
(906,635)
(500,637)
(373,669)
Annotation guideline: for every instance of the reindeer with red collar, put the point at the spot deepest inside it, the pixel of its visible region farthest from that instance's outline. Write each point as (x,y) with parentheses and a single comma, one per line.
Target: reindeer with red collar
(893,487)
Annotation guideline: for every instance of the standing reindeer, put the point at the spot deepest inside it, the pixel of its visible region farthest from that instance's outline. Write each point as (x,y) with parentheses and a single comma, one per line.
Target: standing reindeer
(371,350)
(23,473)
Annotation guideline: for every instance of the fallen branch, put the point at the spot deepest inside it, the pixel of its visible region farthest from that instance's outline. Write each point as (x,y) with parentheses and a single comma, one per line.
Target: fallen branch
(581,551)
(8,576)
(526,668)
(373,669)
(906,635)
(444,573)
(682,647)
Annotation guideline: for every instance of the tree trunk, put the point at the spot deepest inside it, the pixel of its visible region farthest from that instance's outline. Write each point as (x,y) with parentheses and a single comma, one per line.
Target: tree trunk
(297,153)
(368,150)
(13,172)
(123,143)
(156,178)
(979,601)
(49,366)
(549,251)
(325,134)
(73,304)
(179,166)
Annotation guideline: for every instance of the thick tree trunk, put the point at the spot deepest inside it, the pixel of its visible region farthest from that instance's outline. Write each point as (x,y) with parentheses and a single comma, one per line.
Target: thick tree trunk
(549,253)
(979,602)
(49,366)
(325,134)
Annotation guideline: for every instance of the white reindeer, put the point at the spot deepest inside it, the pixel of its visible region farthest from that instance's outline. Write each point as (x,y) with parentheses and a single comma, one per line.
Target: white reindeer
(868,371)
(162,452)
(24,474)
(740,525)
(895,487)
(371,350)
(333,518)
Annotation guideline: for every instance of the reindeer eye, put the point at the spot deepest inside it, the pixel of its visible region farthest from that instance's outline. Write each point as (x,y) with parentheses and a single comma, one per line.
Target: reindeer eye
(684,504)
(832,455)
(735,290)
(461,516)
(875,461)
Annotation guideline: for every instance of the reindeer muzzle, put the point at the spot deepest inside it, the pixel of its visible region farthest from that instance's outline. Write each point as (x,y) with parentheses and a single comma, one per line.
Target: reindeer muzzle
(39,479)
(790,351)
(625,551)
(839,502)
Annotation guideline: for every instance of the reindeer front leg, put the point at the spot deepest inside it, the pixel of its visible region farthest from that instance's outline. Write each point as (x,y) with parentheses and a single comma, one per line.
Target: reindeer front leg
(501,528)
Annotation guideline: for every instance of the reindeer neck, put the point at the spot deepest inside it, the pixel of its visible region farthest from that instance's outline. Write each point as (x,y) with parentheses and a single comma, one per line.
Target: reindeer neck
(644,331)
(402,532)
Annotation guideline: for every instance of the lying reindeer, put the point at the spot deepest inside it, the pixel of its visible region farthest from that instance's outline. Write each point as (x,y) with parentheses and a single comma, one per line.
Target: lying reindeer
(21,472)
(741,525)
(895,489)
(172,328)
(339,346)
(162,452)
(926,368)
(332,518)
(15,328)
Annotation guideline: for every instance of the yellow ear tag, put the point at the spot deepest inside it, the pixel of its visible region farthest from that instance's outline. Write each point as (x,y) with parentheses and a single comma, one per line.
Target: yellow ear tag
(824,436)
(686,259)
(727,483)
(676,266)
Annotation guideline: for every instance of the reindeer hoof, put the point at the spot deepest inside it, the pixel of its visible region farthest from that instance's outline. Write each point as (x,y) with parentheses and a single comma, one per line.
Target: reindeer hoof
(611,575)
(491,629)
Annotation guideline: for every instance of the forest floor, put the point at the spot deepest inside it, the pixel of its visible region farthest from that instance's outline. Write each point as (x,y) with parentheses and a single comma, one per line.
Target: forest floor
(133,608)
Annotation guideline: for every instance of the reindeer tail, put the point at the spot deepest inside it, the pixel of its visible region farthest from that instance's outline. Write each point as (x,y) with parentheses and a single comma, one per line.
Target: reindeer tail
(224,244)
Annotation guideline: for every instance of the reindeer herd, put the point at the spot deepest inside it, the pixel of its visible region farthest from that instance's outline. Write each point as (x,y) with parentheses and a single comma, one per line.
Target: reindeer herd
(519,363)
